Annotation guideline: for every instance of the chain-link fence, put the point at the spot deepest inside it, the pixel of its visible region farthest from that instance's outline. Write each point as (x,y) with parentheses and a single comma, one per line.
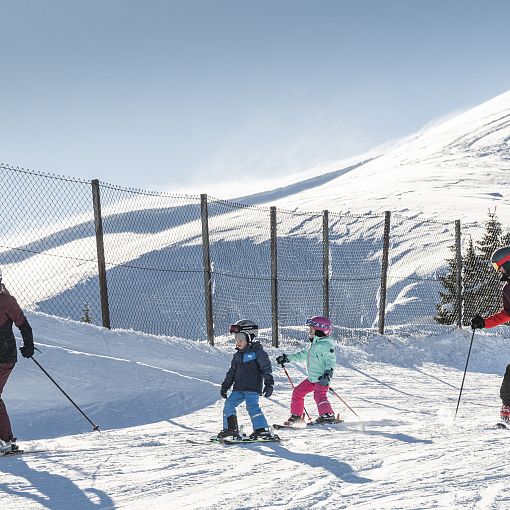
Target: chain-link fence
(155,260)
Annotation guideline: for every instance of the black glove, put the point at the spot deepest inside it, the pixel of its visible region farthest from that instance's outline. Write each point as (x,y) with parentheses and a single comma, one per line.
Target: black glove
(477,322)
(27,351)
(326,377)
(282,359)
(268,390)
(223,392)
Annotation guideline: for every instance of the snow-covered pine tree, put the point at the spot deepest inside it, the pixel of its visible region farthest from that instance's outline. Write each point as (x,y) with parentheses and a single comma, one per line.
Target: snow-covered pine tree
(489,289)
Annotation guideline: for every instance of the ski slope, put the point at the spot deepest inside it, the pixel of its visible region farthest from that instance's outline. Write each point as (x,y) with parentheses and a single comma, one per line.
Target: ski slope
(148,394)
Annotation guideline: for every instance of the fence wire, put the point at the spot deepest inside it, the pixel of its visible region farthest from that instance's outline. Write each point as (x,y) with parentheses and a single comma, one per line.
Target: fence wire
(47,245)
(155,266)
(241,265)
(153,252)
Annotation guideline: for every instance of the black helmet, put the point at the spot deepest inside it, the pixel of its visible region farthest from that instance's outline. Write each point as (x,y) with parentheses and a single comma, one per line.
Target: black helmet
(249,328)
(501,258)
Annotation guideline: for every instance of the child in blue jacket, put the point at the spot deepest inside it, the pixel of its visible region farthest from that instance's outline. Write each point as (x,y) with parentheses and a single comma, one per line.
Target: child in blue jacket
(251,374)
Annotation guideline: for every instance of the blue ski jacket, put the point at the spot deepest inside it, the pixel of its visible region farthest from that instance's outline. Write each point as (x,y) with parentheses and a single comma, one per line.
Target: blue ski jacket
(249,369)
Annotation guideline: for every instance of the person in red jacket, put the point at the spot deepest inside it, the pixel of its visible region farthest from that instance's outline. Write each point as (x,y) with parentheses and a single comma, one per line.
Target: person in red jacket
(10,313)
(501,261)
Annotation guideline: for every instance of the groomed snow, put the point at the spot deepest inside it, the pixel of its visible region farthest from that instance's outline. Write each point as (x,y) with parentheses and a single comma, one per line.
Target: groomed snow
(148,394)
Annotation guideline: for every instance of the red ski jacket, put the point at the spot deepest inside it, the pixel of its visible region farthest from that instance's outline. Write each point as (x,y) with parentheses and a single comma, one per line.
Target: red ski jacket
(504,315)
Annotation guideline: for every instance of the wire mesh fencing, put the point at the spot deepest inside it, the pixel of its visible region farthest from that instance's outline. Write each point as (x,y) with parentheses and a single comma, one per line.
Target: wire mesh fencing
(159,273)
(47,245)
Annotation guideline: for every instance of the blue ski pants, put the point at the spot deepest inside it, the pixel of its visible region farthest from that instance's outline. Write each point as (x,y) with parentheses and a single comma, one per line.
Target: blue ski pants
(258,420)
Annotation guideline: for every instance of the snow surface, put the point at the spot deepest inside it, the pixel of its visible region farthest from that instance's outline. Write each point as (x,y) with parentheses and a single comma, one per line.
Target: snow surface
(148,394)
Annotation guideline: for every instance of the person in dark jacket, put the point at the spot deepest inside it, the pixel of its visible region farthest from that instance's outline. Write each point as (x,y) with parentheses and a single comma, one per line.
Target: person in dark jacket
(10,313)
(251,374)
(501,261)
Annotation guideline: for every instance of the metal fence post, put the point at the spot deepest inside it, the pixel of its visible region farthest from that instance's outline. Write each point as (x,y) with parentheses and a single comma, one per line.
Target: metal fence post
(384,271)
(207,269)
(325,263)
(101,264)
(274,278)
(458,286)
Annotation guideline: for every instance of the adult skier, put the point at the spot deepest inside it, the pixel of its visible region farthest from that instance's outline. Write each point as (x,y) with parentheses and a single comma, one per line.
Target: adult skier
(249,370)
(10,313)
(320,363)
(500,259)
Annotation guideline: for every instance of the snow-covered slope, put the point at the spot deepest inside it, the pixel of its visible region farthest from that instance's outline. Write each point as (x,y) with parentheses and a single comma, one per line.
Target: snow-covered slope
(404,452)
(457,169)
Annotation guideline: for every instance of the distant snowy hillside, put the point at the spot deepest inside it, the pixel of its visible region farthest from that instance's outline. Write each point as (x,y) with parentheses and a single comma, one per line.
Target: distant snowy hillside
(457,169)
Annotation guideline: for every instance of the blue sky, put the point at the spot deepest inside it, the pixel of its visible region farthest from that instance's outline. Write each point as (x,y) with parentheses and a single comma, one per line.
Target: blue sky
(171,94)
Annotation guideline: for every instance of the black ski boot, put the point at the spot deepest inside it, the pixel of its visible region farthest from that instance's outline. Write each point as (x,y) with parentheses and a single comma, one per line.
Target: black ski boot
(294,420)
(232,430)
(263,434)
(328,418)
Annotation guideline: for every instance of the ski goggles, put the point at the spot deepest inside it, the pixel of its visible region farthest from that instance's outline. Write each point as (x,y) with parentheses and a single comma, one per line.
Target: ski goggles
(235,328)
(499,264)
(310,322)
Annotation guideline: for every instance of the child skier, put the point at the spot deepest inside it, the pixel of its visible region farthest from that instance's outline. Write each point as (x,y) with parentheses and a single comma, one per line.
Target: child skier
(501,261)
(320,362)
(250,368)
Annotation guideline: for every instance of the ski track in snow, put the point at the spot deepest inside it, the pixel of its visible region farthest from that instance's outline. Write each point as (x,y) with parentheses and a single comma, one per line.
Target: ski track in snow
(405,453)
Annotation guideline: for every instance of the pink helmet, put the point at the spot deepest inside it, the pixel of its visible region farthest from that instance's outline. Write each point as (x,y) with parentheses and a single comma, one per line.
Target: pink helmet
(321,323)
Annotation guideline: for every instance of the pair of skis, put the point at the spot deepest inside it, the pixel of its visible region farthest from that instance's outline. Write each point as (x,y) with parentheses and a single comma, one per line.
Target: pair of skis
(233,441)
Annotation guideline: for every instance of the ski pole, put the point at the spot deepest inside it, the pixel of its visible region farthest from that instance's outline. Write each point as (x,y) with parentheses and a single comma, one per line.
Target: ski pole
(464,376)
(95,427)
(292,384)
(344,402)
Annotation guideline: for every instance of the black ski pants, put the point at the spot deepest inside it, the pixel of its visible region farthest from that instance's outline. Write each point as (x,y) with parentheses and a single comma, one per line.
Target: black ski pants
(504,391)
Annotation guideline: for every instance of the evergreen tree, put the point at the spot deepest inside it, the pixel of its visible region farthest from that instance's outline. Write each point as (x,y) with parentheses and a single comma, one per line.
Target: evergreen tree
(489,299)
(481,288)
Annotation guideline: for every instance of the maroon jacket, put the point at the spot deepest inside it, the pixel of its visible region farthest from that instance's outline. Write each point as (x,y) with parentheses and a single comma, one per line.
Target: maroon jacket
(10,313)
(504,315)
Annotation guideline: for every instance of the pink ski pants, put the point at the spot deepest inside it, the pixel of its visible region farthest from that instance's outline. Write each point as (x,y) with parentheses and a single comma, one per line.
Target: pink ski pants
(320,395)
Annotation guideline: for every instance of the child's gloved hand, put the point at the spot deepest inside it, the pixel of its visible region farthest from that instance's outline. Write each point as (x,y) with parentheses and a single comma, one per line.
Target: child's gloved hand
(282,359)
(223,392)
(326,377)
(268,390)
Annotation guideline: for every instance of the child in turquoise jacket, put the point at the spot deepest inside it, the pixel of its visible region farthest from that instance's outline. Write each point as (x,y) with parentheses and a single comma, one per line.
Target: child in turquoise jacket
(320,363)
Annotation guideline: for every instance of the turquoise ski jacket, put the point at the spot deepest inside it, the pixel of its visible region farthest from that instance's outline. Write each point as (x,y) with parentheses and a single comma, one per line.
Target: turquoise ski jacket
(319,356)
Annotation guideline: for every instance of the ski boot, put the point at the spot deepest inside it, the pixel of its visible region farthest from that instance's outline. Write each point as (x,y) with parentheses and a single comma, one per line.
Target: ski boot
(294,420)
(7,447)
(264,434)
(504,417)
(232,429)
(327,418)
